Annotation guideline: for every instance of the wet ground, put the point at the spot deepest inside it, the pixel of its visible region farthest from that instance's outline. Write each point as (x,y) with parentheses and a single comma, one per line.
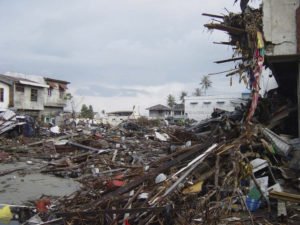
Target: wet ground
(29,184)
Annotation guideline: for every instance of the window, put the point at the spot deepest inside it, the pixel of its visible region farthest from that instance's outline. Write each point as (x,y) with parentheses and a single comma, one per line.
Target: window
(206,102)
(194,103)
(220,102)
(1,94)
(19,88)
(50,91)
(34,95)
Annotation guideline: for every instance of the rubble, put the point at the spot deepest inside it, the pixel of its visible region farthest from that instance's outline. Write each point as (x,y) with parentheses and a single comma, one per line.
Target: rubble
(219,171)
(237,167)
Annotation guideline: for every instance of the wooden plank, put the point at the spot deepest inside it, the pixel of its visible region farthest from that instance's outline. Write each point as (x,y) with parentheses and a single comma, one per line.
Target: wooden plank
(284,196)
(229,60)
(229,29)
(212,15)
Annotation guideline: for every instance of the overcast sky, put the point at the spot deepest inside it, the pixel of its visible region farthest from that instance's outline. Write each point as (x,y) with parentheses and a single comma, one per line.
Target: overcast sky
(116,53)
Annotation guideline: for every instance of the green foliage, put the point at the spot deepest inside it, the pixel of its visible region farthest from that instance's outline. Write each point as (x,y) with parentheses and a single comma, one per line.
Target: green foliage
(87,112)
(182,95)
(205,83)
(180,122)
(171,101)
(197,92)
(68,96)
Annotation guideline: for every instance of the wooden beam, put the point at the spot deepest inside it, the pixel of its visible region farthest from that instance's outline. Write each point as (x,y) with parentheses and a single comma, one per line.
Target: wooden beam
(284,196)
(224,43)
(229,29)
(212,15)
(229,60)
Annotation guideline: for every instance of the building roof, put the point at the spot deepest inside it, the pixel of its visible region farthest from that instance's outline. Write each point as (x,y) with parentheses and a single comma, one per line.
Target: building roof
(47,79)
(159,107)
(10,80)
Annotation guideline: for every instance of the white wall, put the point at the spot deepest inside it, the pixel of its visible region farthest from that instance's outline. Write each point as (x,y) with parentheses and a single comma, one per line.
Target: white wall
(159,114)
(4,105)
(279,21)
(200,108)
(22,100)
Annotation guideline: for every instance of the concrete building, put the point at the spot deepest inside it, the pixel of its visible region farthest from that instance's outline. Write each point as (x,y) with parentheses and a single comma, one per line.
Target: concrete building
(4,94)
(178,112)
(281,28)
(117,117)
(24,95)
(201,107)
(54,97)
(159,111)
(39,99)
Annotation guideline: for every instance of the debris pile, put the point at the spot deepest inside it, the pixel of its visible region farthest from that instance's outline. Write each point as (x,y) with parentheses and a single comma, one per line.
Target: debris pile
(219,171)
(246,34)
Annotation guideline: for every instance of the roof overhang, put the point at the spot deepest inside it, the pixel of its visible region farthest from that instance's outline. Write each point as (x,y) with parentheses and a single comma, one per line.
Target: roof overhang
(55,80)
(33,84)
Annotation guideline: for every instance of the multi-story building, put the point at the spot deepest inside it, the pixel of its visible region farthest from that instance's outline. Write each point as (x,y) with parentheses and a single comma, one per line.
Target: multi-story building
(45,98)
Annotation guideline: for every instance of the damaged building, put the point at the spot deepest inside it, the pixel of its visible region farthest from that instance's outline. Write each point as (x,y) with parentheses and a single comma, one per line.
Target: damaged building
(42,97)
(266,37)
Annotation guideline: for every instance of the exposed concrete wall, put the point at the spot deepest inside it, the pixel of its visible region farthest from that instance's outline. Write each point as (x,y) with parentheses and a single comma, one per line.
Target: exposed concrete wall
(52,111)
(280,26)
(5,103)
(22,100)
(54,99)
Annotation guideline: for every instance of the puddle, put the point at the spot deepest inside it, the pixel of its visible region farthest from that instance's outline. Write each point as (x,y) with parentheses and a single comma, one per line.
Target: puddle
(17,189)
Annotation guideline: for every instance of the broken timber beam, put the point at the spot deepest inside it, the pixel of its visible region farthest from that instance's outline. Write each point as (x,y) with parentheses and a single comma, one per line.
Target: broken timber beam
(284,196)
(213,15)
(229,60)
(151,175)
(88,148)
(231,30)
(224,43)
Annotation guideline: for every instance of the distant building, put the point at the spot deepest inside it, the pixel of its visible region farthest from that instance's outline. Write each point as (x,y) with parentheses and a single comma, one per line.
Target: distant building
(43,98)
(159,111)
(117,117)
(178,111)
(201,107)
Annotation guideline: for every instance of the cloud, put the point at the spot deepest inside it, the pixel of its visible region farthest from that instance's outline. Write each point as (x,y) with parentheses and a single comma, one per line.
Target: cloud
(114,48)
(119,41)
(109,91)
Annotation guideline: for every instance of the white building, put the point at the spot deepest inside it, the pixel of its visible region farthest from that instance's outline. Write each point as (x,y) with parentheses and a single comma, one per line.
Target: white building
(117,117)
(4,95)
(201,107)
(37,97)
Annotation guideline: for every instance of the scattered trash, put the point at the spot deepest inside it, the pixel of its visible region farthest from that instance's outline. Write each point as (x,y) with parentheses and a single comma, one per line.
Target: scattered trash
(160,178)
(55,130)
